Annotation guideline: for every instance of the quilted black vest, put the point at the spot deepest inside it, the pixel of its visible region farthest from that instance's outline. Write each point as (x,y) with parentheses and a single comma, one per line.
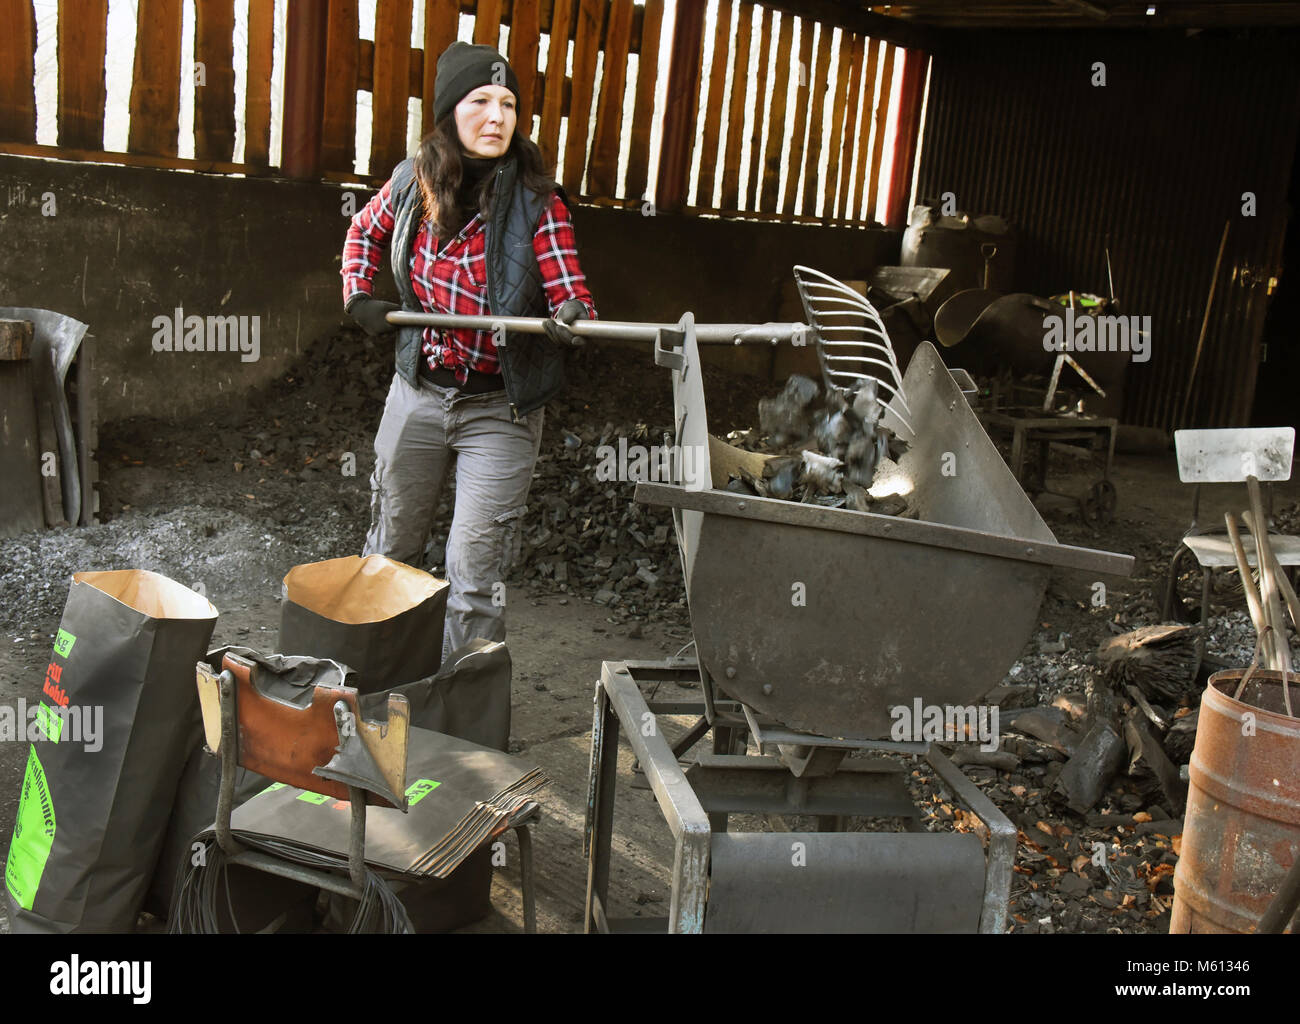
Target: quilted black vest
(532,365)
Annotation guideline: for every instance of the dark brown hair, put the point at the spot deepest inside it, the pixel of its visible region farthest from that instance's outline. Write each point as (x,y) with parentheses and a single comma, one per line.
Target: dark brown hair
(438,171)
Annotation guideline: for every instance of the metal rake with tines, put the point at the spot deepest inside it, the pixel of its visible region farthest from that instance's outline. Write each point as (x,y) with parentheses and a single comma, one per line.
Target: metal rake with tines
(851,338)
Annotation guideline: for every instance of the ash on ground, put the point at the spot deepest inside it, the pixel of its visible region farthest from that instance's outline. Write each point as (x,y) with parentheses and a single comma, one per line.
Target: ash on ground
(229,503)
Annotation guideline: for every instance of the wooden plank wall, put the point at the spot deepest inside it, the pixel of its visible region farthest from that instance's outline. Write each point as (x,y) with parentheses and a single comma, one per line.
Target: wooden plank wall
(813,111)
(798,134)
(587,31)
(156,86)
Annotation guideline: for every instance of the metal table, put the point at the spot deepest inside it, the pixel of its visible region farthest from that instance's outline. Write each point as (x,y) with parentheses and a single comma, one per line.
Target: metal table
(1093,433)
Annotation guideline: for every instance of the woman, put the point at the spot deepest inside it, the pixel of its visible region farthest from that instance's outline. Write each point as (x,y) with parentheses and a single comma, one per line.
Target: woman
(474,226)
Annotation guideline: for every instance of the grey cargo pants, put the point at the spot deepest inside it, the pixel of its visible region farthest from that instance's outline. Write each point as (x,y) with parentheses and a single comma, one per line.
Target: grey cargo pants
(422,432)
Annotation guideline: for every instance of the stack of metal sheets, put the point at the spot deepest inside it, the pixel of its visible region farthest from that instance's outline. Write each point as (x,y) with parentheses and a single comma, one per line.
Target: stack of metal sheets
(460,795)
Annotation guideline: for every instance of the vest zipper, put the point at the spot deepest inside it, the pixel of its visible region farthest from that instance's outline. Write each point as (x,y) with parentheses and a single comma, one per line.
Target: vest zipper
(492,300)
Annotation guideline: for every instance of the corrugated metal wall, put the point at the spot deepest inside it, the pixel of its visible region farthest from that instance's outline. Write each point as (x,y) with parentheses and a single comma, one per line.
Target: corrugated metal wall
(1157,159)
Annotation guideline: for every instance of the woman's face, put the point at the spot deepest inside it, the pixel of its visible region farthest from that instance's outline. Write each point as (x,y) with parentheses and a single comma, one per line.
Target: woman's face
(485,121)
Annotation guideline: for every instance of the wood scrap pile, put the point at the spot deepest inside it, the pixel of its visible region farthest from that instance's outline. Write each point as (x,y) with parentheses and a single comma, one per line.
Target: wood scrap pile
(1114,728)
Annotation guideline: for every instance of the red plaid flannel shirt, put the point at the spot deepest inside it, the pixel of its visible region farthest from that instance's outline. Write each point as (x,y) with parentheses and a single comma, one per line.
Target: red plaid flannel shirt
(453,278)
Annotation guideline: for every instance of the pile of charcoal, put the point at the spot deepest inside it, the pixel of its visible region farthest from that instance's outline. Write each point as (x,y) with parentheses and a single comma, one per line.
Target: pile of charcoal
(828,447)
(590,537)
(586,534)
(1098,832)
(1110,870)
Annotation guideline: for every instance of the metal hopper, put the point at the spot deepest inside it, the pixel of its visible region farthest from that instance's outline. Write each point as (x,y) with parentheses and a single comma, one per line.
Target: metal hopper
(826,618)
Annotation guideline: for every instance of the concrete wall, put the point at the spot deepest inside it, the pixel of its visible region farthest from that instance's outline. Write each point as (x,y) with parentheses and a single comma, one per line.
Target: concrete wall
(118,247)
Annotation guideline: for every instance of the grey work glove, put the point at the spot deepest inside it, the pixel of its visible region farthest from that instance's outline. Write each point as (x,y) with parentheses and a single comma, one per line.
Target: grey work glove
(371,314)
(557,329)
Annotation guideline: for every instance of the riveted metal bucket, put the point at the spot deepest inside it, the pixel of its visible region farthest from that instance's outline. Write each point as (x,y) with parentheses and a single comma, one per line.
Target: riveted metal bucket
(1242,829)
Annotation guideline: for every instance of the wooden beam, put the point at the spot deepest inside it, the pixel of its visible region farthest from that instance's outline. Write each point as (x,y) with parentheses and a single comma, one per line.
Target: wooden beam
(771,218)
(366,65)
(603,173)
(760,99)
(837,123)
(776,138)
(680,111)
(907,140)
(83,29)
(18,71)
(156,80)
(392,82)
(857,126)
(647,77)
(848,144)
(441,21)
(257,94)
(339,125)
(415,74)
(819,84)
(214,83)
(726,214)
(586,47)
(713,141)
(736,110)
(882,126)
(306,34)
(93,156)
(697,93)
(524,45)
(803,71)
(553,99)
(487,23)
(866,120)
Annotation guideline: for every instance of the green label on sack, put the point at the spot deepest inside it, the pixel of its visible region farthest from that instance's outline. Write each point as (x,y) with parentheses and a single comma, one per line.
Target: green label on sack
(313,798)
(50,722)
(419,789)
(33,835)
(273,787)
(63,643)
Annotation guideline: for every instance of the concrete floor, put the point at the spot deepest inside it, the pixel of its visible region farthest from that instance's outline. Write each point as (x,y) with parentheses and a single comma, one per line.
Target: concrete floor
(557,650)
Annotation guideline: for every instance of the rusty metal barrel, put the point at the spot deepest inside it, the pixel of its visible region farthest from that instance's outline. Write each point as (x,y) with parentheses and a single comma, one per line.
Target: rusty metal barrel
(1242,830)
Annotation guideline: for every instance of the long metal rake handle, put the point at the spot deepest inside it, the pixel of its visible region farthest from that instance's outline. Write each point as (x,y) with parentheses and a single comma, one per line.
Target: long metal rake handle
(622,330)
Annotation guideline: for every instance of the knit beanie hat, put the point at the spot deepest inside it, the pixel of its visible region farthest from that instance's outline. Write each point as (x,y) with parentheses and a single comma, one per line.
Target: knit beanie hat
(464,67)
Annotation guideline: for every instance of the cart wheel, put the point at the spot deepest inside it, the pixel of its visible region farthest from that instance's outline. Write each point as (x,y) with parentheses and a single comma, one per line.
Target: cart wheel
(1098,505)
(1181,587)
